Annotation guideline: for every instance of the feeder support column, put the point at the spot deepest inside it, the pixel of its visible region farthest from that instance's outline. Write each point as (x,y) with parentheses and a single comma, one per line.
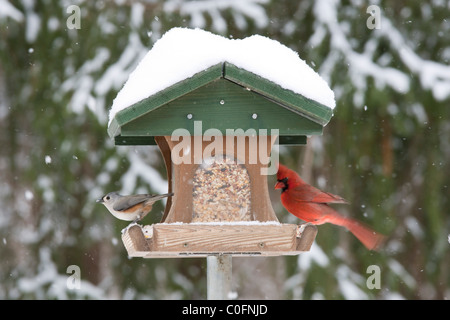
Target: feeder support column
(218,277)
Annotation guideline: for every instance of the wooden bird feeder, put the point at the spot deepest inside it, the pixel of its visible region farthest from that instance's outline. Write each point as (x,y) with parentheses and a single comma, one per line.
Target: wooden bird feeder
(215,131)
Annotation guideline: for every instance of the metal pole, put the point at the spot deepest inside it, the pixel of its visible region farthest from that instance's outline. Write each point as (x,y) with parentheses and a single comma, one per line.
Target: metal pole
(218,275)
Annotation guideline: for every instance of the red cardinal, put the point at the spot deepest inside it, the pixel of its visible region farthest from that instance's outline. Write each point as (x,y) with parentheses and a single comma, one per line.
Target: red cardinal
(311,205)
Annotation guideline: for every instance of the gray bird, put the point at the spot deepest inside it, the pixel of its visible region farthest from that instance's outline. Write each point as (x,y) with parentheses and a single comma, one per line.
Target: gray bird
(130,208)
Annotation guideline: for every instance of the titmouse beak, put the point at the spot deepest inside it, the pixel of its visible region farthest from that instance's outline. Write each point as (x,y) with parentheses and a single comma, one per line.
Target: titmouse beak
(100,200)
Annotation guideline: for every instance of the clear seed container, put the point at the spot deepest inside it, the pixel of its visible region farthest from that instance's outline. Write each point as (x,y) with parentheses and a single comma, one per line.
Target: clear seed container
(221,191)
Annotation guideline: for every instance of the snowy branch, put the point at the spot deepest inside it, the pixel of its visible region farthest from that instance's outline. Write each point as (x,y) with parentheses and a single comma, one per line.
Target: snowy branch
(240,9)
(433,75)
(360,65)
(8,10)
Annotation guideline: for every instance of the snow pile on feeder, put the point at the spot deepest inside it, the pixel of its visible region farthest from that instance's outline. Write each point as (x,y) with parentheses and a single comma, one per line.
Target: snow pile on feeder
(182,53)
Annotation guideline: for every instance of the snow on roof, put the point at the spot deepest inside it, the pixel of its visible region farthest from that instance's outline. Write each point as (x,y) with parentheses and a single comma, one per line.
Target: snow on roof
(182,52)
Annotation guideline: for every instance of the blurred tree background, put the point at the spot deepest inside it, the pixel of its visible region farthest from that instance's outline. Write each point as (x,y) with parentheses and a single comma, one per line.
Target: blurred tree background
(386,149)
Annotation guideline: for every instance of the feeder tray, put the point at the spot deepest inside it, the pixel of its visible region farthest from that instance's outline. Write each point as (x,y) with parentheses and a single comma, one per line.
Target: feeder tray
(176,240)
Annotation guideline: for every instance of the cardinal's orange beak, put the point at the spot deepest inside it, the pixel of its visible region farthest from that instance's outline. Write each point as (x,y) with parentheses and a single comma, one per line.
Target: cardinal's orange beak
(279,185)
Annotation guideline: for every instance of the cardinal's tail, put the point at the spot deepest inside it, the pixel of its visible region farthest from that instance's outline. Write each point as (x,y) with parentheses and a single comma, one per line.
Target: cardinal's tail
(371,239)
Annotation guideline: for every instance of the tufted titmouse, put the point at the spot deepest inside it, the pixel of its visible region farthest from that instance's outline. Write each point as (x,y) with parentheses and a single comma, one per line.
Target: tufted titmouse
(129,208)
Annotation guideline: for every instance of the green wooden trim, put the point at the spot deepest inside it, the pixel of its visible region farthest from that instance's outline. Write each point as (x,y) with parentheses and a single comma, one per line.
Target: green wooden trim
(292,140)
(114,128)
(222,105)
(293,101)
(146,141)
(163,97)
(134,141)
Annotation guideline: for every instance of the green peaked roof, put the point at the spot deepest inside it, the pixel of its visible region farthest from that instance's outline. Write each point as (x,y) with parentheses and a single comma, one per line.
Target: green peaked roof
(221,97)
